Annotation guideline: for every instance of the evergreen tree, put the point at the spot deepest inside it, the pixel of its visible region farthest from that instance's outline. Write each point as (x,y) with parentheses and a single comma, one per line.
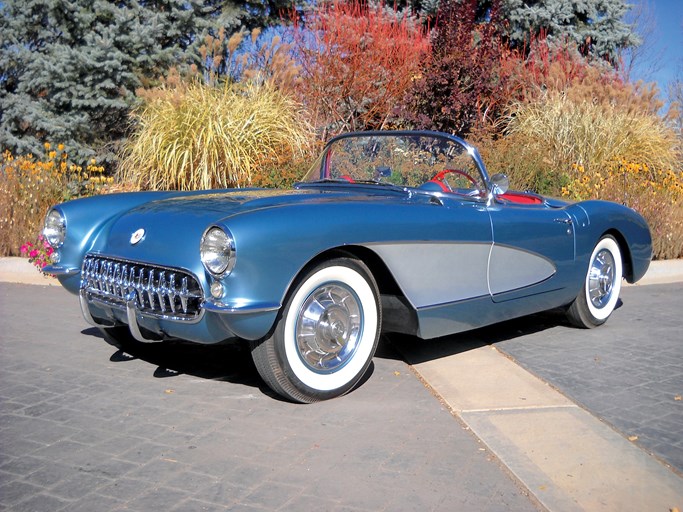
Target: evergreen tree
(596,26)
(69,68)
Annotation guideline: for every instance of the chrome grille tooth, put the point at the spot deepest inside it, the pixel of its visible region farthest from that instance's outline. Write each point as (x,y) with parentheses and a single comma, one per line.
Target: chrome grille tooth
(110,277)
(172,291)
(159,292)
(138,288)
(150,288)
(131,282)
(94,269)
(106,271)
(116,279)
(183,294)
(123,280)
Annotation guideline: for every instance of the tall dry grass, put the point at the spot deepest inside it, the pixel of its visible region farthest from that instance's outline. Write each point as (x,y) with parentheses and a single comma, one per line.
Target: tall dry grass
(196,136)
(593,134)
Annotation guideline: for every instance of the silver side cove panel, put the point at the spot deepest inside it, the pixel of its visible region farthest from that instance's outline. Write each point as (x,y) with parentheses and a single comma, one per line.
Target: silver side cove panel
(512,269)
(437,273)
(440,273)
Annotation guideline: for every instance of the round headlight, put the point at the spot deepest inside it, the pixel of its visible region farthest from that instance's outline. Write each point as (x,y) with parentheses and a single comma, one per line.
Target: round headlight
(54,229)
(217,251)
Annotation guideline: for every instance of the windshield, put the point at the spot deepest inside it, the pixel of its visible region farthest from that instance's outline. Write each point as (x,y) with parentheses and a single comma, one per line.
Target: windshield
(400,158)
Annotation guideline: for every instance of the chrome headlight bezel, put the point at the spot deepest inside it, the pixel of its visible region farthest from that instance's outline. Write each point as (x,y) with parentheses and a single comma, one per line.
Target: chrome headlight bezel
(54,228)
(217,251)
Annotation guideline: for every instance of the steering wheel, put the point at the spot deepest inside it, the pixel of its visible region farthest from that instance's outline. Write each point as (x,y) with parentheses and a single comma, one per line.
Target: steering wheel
(442,174)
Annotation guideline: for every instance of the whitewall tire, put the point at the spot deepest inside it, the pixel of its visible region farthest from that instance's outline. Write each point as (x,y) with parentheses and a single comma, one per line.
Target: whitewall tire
(600,292)
(326,334)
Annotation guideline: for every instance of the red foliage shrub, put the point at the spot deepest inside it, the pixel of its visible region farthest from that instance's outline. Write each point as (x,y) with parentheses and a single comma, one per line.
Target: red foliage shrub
(463,85)
(357,62)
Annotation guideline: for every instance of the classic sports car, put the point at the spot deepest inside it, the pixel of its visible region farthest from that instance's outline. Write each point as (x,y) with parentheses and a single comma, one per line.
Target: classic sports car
(388,232)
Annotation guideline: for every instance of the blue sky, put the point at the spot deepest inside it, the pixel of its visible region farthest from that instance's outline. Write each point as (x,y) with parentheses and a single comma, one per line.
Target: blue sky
(667,40)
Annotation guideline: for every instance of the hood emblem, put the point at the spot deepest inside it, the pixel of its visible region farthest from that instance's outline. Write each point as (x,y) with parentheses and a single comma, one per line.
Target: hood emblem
(137,236)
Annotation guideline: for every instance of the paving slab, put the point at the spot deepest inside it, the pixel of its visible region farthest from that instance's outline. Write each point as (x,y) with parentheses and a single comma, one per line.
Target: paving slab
(566,457)
(628,372)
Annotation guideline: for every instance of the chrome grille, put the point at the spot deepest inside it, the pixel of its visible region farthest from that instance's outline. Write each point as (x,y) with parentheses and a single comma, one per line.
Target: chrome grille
(160,292)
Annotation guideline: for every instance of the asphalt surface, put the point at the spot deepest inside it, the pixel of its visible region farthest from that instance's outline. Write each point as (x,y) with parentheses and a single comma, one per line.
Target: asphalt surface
(85,426)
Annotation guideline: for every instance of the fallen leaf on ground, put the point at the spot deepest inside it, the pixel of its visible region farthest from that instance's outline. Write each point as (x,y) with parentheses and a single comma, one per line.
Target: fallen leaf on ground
(632,438)
(678,398)
(169,391)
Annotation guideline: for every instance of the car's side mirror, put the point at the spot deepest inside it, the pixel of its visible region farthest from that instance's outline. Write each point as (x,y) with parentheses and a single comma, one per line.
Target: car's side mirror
(500,184)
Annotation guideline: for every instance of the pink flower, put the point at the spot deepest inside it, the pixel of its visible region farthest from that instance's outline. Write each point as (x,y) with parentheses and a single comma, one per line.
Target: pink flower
(33,253)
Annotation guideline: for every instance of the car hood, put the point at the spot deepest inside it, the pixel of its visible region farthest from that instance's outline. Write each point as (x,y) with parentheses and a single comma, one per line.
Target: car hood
(170,229)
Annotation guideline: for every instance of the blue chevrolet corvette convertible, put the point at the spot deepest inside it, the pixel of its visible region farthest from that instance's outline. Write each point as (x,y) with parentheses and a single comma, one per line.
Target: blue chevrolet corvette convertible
(397,231)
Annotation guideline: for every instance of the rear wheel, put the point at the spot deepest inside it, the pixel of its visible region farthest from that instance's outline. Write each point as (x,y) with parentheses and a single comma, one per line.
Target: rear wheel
(600,292)
(326,335)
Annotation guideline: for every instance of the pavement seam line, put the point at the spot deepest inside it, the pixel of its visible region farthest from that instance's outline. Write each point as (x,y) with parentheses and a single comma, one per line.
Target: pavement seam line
(521,408)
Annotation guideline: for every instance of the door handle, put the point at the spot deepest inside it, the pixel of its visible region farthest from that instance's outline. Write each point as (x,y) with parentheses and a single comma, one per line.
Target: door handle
(564,220)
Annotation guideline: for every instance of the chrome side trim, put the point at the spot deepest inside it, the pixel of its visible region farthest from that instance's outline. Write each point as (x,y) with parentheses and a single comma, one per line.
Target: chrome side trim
(221,308)
(60,271)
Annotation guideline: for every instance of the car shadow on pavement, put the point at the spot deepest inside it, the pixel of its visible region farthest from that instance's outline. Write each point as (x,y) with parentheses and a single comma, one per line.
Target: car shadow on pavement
(228,362)
(414,350)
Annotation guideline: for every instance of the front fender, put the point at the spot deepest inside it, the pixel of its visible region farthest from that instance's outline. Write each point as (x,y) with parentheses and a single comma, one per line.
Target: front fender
(87,224)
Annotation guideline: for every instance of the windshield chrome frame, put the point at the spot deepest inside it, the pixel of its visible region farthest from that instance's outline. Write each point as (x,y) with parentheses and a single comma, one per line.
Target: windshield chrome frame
(471,150)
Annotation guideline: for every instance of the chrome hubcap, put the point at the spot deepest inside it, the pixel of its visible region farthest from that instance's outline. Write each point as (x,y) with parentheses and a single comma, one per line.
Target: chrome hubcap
(601,278)
(329,327)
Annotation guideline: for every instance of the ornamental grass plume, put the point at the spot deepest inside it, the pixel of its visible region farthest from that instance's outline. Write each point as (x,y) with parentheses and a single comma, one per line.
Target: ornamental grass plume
(196,136)
(593,134)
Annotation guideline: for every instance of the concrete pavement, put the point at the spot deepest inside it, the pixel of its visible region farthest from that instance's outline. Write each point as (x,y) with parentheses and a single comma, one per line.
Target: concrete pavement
(569,452)
(603,430)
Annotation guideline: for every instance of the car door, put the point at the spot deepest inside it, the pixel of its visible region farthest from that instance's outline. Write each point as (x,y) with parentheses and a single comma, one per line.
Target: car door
(533,250)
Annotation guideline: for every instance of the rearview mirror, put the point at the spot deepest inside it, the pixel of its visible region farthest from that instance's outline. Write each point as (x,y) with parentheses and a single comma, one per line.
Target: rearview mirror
(500,184)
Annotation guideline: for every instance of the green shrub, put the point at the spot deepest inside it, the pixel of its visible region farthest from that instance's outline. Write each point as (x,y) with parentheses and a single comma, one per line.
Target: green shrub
(525,163)
(198,137)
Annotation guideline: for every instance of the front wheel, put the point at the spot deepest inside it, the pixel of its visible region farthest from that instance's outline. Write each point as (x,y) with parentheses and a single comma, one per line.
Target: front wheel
(326,335)
(600,293)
